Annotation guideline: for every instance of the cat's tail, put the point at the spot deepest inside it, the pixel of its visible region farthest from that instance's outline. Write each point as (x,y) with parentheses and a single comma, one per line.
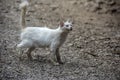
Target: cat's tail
(23,7)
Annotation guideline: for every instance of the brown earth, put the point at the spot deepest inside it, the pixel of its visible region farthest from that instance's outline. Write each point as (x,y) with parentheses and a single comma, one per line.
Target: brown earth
(92,49)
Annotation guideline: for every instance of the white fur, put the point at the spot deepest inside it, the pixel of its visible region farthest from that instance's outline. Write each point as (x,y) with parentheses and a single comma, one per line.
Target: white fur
(39,36)
(42,37)
(24,4)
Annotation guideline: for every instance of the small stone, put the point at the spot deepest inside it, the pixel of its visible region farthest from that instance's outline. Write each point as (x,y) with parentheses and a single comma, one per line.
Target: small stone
(70,44)
(54,7)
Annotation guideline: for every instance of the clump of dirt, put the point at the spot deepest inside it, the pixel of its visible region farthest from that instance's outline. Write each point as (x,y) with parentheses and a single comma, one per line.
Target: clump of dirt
(92,49)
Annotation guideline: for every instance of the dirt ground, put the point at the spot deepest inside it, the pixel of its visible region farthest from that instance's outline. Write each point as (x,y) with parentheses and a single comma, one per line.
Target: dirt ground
(92,49)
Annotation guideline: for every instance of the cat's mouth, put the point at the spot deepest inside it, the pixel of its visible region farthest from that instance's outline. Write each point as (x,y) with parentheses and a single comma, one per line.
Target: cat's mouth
(70,29)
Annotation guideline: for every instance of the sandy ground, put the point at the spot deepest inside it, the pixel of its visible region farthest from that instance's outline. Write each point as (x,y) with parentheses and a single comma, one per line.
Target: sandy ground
(92,49)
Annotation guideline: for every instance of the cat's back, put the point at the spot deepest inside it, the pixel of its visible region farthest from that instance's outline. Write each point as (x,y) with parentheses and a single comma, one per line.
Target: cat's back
(35,32)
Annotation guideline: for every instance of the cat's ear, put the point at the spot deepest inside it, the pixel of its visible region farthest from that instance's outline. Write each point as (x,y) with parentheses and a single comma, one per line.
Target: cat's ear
(61,23)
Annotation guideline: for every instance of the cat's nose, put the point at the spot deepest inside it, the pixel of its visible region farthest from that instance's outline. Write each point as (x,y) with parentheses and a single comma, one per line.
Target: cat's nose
(71,29)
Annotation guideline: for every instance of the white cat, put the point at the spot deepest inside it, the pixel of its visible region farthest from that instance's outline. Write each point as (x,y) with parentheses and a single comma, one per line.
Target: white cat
(32,37)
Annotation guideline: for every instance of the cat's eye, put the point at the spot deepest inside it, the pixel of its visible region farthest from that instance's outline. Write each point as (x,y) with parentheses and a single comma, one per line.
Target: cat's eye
(67,25)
